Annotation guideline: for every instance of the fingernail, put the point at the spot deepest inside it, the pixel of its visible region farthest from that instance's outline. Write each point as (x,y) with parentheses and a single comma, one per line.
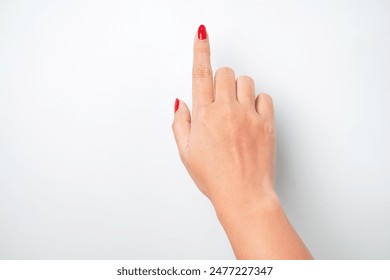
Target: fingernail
(177,103)
(202,34)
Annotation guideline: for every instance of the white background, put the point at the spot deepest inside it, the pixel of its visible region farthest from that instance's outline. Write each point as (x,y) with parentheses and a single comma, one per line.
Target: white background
(88,163)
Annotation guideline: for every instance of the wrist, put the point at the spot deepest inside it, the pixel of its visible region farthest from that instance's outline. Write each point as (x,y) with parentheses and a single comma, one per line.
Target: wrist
(239,209)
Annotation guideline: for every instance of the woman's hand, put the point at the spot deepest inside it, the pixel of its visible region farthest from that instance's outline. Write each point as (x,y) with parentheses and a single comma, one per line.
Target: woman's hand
(228,148)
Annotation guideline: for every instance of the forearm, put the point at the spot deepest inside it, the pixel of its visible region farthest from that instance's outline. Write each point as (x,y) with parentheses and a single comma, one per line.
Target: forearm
(259,229)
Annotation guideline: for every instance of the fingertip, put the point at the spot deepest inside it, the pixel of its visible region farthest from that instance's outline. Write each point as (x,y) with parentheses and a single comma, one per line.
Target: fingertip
(177,104)
(181,110)
(202,32)
(201,40)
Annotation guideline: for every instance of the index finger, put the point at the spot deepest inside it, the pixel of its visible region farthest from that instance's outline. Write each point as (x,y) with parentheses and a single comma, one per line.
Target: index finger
(202,73)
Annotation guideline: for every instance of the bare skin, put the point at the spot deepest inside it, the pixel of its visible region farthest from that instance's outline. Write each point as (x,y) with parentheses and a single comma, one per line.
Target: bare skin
(228,148)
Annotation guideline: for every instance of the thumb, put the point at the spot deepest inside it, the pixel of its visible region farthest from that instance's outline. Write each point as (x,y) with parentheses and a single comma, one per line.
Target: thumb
(181,127)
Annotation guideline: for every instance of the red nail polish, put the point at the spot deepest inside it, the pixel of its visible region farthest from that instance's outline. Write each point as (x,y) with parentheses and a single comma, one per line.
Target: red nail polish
(177,103)
(202,33)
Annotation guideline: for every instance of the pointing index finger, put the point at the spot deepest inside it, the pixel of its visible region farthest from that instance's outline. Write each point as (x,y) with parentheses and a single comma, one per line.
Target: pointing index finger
(202,73)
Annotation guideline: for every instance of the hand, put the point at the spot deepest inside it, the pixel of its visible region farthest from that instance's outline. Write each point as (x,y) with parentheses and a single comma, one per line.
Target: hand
(228,148)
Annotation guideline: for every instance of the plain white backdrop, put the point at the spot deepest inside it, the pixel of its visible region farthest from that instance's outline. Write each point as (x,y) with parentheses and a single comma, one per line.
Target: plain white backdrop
(88,163)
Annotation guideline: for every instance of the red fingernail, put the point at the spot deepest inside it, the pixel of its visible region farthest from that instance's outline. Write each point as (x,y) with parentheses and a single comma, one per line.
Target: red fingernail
(177,102)
(202,34)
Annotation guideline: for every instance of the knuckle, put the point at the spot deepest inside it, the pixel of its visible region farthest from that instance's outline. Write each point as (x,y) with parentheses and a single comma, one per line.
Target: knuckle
(174,124)
(225,71)
(178,122)
(201,48)
(245,79)
(202,71)
(267,98)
